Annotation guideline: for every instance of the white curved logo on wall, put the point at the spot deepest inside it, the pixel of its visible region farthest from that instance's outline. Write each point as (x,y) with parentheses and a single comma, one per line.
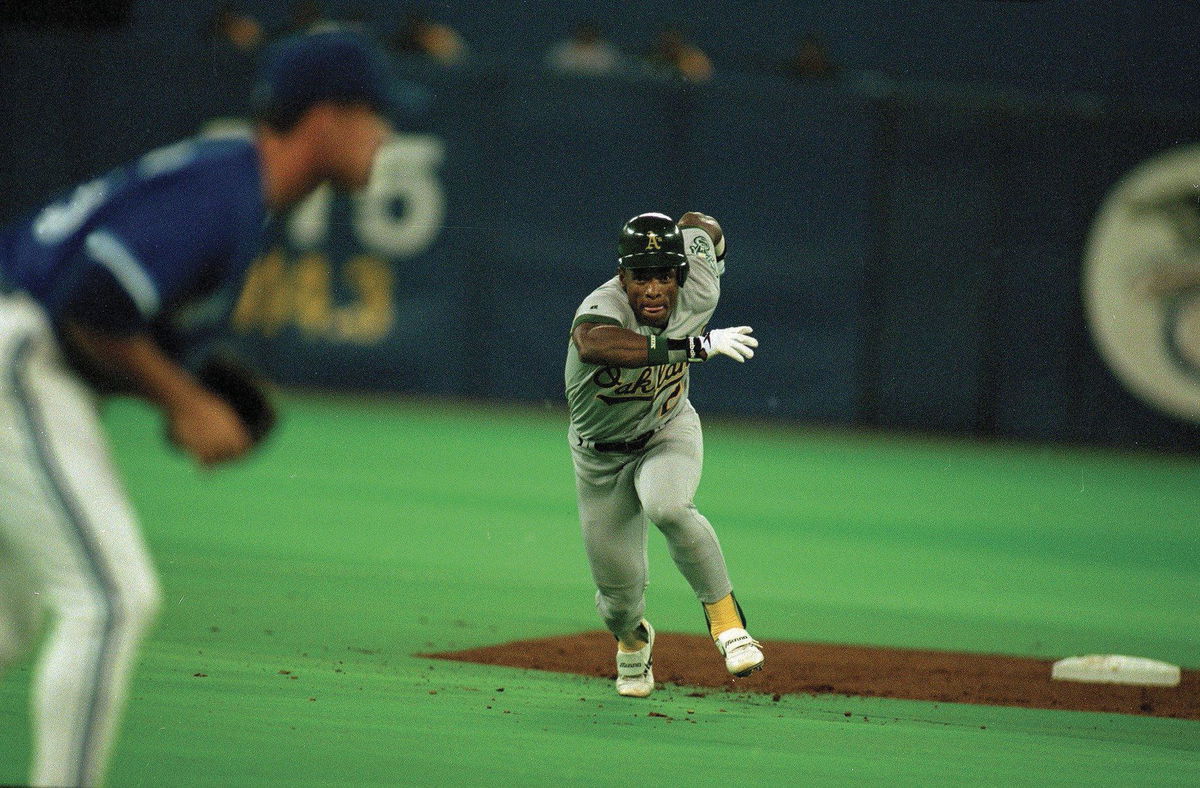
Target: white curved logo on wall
(1141,281)
(401,211)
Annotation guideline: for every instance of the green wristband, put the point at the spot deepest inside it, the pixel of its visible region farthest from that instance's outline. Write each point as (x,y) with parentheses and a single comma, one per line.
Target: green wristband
(656,350)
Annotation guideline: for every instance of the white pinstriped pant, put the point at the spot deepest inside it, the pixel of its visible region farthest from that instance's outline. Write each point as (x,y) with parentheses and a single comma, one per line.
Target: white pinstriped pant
(70,551)
(619,493)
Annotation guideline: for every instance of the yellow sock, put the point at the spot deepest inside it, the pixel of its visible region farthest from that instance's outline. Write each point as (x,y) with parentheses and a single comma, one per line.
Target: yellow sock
(633,641)
(722,615)
(639,645)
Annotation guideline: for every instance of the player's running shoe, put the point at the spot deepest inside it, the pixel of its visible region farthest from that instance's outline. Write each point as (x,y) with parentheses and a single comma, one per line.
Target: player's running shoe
(635,674)
(743,654)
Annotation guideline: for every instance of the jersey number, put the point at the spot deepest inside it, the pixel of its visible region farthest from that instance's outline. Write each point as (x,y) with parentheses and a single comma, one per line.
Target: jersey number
(57,221)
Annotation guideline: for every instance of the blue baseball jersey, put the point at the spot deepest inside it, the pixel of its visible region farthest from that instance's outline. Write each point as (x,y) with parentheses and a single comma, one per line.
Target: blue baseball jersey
(160,245)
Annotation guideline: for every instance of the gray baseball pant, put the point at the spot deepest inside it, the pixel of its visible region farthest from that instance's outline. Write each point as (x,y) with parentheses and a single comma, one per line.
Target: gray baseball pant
(619,493)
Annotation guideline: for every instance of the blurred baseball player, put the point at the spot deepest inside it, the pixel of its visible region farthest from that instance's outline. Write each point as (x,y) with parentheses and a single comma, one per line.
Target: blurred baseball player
(636,439)
(127,279)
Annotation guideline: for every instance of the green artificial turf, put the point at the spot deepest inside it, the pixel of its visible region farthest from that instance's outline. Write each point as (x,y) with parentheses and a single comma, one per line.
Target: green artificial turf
(299,585)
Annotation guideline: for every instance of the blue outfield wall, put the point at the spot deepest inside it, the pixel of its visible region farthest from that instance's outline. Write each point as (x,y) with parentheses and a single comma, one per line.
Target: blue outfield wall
(909,255)
(540,173)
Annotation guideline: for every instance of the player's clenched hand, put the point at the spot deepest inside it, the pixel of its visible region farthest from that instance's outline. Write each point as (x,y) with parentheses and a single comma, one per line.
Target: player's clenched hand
(733,342)
(708,225)
(208,429)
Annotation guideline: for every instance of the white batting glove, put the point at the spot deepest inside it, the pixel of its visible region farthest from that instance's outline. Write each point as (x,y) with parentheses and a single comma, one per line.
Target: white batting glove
(733,342)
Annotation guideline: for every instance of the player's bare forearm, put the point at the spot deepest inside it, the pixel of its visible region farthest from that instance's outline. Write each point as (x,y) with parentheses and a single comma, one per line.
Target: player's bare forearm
(199,422)
(136,364)
(613,346)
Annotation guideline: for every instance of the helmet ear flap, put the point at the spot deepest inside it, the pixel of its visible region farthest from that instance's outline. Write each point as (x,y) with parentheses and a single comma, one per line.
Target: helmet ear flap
(682,272)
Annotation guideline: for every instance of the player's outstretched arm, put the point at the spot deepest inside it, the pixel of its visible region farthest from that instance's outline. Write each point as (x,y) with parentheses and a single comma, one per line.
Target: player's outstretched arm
(602,343)
(733,342)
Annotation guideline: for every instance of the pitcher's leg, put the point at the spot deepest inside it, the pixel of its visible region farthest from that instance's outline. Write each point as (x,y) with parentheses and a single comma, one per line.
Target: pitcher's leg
(78,541)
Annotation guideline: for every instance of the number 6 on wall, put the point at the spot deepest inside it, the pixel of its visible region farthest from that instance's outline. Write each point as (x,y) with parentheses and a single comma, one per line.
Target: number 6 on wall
(402,210)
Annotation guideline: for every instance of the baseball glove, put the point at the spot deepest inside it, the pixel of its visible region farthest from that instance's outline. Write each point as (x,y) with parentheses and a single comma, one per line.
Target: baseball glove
(243,389)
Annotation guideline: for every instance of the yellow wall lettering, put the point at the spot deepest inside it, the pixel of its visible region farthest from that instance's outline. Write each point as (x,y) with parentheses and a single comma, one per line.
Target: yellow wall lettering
(312,294)
(280,292)
(370,317)
(260,292)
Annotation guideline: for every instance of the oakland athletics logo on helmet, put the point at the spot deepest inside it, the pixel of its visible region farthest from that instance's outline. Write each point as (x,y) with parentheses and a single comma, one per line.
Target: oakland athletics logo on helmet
(652,240)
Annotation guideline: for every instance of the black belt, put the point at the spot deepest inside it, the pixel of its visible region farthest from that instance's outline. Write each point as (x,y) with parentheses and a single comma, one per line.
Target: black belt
(624,447)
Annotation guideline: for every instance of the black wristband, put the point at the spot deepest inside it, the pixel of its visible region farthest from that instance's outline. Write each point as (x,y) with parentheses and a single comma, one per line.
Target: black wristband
(686,349)
(678,350)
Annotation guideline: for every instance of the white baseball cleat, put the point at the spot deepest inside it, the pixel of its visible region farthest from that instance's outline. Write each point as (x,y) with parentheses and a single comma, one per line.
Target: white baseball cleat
(743,654)
(635,674)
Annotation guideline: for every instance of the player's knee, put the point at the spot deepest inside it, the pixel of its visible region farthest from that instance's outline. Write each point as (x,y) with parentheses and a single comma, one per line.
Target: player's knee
(670,515)
(137,597)
(141,604)
(127,608)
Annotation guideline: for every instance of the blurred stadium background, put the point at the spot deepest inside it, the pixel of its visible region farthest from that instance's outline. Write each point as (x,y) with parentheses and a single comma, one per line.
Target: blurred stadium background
(909,236)
(914,241)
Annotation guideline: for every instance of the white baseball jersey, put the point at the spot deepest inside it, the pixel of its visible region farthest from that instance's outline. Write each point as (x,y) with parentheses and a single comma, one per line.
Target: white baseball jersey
(615,404)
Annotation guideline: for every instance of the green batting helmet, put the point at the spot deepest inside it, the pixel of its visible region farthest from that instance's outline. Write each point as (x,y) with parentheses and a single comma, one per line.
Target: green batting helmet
(652,240)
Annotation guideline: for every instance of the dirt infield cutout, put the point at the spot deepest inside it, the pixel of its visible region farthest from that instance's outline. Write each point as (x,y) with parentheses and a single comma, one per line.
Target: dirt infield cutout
(817,668)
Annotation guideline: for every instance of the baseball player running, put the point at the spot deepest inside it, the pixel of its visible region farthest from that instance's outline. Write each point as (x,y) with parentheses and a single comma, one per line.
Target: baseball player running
(126,280)
(636,439)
